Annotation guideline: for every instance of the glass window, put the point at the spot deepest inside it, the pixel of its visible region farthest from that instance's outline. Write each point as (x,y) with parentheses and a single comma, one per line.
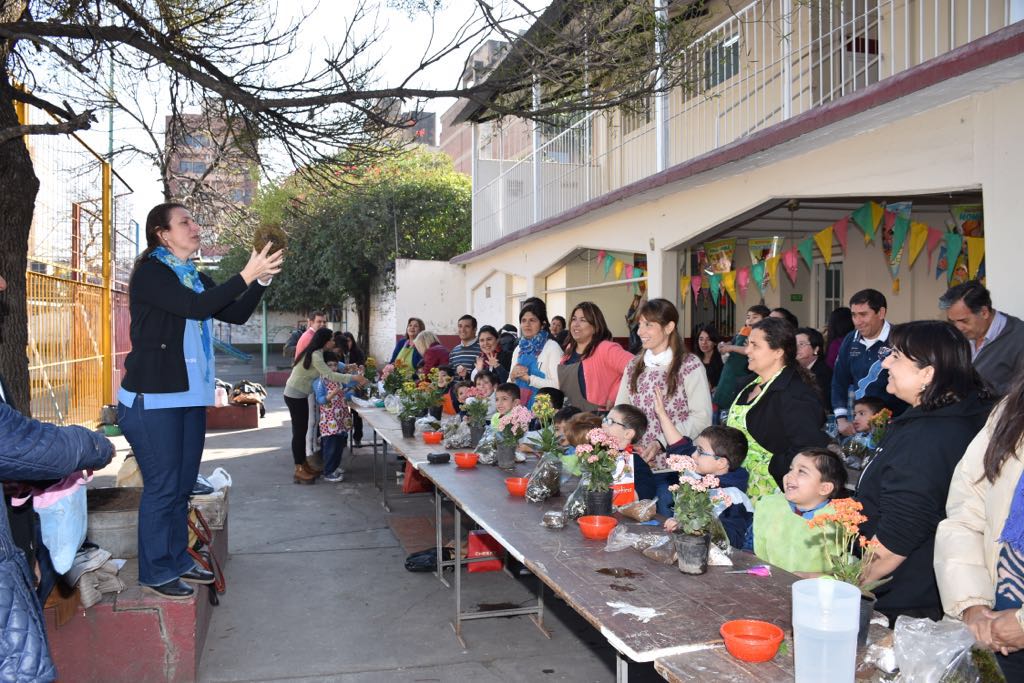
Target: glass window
(721,62)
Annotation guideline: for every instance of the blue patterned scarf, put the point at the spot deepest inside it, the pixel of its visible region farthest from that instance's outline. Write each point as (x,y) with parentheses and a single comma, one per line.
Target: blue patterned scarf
(188,275)
(1013,529)
(529,355)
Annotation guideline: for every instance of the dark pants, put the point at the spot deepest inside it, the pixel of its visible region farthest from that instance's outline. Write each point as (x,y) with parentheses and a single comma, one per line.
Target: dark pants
(298,408)
(650,485)
(1012,666)
(168,446)
(357,428)
(333,447)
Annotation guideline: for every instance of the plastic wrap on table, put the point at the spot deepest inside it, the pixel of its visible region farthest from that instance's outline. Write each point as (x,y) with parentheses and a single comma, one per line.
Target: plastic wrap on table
(392,404)
(545,480)
(934,651)
(719,538)
(663,551)
(639,510)
(487,449)
(576,505)
(636,536)
(619,539)
(456,435)
(426,424)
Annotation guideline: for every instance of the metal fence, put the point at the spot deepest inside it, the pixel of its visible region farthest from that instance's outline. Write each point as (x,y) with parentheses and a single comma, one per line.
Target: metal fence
(760,66)
(81,248)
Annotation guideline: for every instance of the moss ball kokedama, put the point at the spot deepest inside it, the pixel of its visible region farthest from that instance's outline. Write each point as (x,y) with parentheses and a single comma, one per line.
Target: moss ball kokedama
(270,234)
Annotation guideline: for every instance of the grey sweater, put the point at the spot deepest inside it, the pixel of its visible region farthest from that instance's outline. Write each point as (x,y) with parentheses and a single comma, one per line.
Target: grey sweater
(999,360)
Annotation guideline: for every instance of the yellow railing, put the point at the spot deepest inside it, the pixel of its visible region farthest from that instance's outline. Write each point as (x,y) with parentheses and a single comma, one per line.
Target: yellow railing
(80,251)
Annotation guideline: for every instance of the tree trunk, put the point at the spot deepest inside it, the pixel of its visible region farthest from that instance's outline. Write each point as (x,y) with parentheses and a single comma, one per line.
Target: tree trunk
(17,201)
(363,311)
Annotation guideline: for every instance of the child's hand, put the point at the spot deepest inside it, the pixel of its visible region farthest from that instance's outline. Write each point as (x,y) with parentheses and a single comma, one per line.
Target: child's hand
(671,524)
(659,401)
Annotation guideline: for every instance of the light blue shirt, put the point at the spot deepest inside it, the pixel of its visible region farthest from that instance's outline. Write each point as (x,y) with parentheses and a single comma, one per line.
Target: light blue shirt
(200,390)
(994,330)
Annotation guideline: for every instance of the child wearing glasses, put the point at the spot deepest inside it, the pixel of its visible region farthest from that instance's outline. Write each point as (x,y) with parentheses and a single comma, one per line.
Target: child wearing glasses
(625,424)
(720,451)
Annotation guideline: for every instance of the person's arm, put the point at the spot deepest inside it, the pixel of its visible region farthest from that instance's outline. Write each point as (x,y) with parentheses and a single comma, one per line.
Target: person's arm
(31,450)
(156,285)
(623,395)
(548,360)
(324,371)
(399,345)
(668,428)
(960,568)
(240,310)
(320,390)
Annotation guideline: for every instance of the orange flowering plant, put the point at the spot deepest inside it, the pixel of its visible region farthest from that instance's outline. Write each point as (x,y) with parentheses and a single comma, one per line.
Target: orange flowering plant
(841,532)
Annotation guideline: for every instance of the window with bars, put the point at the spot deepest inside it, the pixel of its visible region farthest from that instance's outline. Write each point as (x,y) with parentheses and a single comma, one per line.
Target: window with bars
(721,61)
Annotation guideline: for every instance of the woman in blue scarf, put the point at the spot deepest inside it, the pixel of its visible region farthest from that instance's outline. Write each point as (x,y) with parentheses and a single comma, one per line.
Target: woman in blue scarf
(535,361)
(979,547)
(169,381)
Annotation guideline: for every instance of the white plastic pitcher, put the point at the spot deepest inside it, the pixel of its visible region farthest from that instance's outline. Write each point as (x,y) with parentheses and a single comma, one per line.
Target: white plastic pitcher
(826,617)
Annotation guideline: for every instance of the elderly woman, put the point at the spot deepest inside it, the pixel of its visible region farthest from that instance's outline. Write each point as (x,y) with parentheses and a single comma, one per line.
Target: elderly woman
(433,352)
(780,411)
(904,488)
(979,547)
(663,365)
(592,366)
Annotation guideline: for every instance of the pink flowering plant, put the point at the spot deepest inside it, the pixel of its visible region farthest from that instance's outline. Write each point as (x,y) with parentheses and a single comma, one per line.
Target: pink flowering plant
(694,503)
(514,424)
(476,407)
(598,458)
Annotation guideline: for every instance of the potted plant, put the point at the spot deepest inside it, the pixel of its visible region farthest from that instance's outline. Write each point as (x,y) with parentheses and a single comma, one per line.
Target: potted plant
(414,400)
(841,535)
(511,427)
(694,514)
(545,480)
(598,459)
(394,375)
(476,408)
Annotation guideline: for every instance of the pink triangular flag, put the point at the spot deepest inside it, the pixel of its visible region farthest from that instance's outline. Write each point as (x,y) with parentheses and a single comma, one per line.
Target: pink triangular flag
(695,285)
(890,219)
(743,280)
(790,262)
(839,228)
(934,238)
(629,271)
(600,255)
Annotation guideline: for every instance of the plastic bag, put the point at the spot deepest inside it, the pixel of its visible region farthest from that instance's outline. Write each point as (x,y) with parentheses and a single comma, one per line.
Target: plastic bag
(63,518)
(545,480)
(219,478)
(426,424)
(456,435)
(393,404)
(640,510)
(930,651)
(576,505)
(488,448)
(619,539)
(720,539)
(664,551)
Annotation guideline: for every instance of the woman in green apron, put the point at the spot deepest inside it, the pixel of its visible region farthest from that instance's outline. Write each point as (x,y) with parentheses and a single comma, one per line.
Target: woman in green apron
(780,410)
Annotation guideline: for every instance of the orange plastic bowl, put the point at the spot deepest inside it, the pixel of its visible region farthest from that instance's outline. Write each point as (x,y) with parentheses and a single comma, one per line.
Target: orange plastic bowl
(516,485)
(751,640)
(433,437)
(466,461)
(596,527)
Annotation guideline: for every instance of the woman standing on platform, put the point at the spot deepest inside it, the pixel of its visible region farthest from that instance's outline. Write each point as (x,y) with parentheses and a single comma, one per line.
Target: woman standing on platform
(169,381)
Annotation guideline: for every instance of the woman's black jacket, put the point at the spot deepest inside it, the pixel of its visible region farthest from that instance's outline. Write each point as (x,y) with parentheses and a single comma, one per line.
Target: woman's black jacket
(159,306)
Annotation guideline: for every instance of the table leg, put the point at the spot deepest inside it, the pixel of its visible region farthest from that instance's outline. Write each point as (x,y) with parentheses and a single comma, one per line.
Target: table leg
(621,668)
(380,487)
(441,564)
(384,476)
(458,576)
(538,617)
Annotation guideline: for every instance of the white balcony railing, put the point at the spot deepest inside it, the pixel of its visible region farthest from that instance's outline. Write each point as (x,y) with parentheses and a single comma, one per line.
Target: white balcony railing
(766,63)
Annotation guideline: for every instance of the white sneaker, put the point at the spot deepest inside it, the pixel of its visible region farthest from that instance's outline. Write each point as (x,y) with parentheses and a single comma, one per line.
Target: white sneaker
(335,476)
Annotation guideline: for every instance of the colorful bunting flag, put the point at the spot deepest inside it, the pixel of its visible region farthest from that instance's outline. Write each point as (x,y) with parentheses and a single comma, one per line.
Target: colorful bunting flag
(600,255)
(743,280)
(772,266)
(823,238)
(839,228)
(684,287)
(806,248)
(954,243)
(757,272)
(867,218)
(918,238)
(934,237)
(790,263)
(716,287)
(729,282)
(609,261)
(975,255)
(695,284)
(628,269)
(619,265)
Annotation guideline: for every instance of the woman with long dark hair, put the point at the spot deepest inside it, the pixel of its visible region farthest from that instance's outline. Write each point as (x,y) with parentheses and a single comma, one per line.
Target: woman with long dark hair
(591,369)
(840,324)
(780,411)
(348,349)
(663,365)
(706,339)
(307,367)
(904,487)
(979,547)
(491,358)
(169,381)
(535,360)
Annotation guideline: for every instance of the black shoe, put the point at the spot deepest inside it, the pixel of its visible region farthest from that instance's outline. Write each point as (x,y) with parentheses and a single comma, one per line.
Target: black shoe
(172,590)
(198,575)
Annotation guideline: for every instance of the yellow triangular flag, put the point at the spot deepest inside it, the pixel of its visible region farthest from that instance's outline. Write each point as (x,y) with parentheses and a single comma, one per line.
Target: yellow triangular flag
(823,239)
(729,282)
(772,266)
(975,254)
(684,287)
(619,265)
(877,211)
(918,238)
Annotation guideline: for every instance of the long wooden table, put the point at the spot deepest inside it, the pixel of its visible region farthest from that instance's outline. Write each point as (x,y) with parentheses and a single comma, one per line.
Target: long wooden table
(607,588)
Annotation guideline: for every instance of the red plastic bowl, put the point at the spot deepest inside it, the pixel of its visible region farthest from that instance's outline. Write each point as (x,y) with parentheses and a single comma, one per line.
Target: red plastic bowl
(596,527)
(516,486)
(433,437)
(751,640)
(466,461)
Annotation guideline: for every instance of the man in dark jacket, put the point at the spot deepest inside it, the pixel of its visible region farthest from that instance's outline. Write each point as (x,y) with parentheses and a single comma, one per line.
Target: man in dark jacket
(996,338)
(31,451)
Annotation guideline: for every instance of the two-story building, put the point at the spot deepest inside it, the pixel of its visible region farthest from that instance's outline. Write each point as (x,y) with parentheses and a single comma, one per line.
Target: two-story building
(806,128)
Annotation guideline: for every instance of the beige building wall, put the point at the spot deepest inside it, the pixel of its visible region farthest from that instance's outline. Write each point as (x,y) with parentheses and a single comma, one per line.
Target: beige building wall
(967,144)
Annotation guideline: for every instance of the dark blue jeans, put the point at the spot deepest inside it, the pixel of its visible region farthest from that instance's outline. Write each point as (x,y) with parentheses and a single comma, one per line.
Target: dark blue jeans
(650,485)
(333,447)
(168,445)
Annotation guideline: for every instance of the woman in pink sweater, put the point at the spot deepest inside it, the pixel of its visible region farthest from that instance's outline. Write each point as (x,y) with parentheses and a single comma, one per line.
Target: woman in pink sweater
(593,364)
